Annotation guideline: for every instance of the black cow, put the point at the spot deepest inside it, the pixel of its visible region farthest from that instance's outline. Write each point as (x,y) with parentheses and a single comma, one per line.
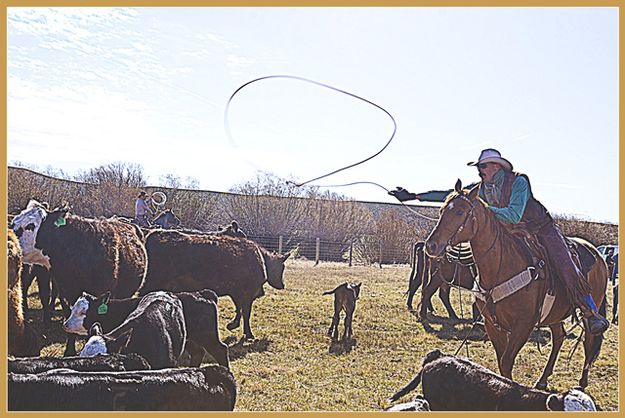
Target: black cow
(209,388)
(108,363)
(155,329)
(457,384)
(200,316)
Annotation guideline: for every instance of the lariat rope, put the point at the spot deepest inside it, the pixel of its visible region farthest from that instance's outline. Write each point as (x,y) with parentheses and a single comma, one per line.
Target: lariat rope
(292,77)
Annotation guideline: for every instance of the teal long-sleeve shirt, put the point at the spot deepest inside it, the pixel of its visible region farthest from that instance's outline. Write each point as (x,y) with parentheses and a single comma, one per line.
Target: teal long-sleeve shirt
(518,200)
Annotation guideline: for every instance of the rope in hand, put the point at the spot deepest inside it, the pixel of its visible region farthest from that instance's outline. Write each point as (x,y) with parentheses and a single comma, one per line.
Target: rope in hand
(292,77)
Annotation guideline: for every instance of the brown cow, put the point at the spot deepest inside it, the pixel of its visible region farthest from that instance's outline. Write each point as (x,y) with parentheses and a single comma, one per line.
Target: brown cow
(22,339)
(236,267)
(92,255)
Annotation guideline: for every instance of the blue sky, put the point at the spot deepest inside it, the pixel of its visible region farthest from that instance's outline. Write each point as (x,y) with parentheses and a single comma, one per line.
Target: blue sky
(92,86)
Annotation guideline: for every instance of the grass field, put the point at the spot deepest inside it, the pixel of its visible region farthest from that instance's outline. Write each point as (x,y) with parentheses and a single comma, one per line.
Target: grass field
(293,366)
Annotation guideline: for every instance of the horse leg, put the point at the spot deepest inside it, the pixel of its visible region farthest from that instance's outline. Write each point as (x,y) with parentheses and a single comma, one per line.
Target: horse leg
(592,347)
(615,304)
(427,292)
(443,294)
(498,338)
(557,338)
(517,339)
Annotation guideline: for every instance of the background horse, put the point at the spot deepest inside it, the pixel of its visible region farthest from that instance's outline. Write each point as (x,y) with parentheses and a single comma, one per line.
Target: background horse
(437,275)
(166,219)
(499,256)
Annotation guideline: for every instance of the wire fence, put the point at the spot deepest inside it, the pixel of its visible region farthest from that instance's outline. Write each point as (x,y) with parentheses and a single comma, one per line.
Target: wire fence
(365,250)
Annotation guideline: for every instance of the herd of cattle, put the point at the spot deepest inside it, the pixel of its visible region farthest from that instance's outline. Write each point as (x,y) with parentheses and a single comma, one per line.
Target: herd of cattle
(130,360)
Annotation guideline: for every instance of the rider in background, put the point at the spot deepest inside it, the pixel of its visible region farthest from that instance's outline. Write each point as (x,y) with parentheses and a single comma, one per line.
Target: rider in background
(510,197)
(142,210)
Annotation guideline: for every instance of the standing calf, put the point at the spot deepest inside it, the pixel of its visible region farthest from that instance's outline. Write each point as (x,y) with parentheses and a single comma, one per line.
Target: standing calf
(345,297)
(456,384)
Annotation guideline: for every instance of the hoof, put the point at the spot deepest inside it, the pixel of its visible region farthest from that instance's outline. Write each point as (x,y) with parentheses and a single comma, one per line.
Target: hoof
(232,325)
(541,385)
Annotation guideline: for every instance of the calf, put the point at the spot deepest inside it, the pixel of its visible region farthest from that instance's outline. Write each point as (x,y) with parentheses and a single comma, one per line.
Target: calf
(200,317)
(345,297)
(456,384)
(209,388)
(110,363)
(155,330)
(22,339)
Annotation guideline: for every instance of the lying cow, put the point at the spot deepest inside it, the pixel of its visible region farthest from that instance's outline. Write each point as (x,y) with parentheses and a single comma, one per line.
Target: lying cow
(236,267)
(93,255)
(456,384)
(209,388)
(109,363)
(155,330)
(345,297)
(200,316)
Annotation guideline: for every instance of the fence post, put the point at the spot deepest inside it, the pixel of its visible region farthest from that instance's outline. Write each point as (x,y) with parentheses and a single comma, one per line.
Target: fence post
(280,244)
(351,248)
(317,252)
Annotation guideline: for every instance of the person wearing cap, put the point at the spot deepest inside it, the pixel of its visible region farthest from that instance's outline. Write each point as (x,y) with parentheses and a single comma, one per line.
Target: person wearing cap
(509,197)
(142,210)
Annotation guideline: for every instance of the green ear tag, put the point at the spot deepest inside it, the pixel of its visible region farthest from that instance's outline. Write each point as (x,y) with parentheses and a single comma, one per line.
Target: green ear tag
(60,222)
(102,309)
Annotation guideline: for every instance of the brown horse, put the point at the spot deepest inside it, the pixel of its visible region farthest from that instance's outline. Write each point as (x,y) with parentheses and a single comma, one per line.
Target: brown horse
(499,256)
(437,275)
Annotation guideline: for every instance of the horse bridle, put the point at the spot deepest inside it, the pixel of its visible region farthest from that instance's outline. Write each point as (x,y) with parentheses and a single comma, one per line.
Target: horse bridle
(466,219)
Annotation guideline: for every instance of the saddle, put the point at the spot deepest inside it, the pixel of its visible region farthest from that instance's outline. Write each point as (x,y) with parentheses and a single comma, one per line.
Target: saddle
(582,256)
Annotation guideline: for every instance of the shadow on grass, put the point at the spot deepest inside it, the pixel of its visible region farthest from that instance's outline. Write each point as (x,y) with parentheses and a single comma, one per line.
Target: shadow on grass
(341,346)
(244,346)
(457,329)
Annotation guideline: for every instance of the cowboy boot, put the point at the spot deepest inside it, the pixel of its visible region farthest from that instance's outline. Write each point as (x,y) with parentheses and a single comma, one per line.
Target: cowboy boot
(595,323)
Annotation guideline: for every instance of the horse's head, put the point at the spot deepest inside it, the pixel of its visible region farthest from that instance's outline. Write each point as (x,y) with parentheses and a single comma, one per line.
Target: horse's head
(167,219)
(456,223)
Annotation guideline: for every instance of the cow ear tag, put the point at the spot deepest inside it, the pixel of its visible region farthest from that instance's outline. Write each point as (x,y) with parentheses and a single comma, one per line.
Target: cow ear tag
(103,309)
(60,222)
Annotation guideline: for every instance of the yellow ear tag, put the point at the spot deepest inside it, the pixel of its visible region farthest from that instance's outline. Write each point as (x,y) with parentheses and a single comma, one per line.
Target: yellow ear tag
(60,222)
(103,309)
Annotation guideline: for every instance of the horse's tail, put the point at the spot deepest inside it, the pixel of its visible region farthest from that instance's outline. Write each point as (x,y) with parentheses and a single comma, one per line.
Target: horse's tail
(414,383)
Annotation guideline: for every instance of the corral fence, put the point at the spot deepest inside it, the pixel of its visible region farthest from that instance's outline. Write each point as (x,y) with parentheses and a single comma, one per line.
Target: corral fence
(365,250)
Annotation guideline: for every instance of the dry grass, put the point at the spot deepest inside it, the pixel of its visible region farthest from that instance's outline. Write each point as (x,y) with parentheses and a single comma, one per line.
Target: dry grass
(292,365)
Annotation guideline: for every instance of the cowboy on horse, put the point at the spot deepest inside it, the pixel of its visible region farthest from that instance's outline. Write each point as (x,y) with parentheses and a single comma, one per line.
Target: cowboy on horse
(509,196)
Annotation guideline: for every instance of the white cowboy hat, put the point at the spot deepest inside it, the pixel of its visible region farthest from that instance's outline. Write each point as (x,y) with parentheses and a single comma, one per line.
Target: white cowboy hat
(491,155)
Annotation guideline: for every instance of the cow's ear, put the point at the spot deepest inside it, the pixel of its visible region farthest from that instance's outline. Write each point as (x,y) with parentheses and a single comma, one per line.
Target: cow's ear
(285,256)
(107,296)
(458,186)
(118,344)
(554,403)
(95,329)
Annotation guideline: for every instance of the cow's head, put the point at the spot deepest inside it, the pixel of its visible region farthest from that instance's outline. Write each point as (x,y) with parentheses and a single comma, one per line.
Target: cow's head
(274,263)
(85,312)
(102,344)
(572,400)
(26,226)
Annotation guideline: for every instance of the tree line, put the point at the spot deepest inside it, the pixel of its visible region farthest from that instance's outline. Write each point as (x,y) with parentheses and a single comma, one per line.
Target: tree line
(266,206)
